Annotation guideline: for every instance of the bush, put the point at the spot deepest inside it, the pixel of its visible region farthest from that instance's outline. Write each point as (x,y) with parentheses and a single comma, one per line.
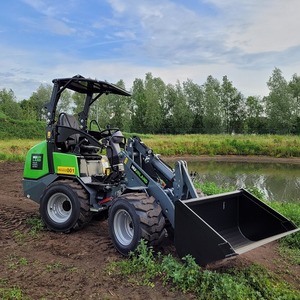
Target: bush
(15,129)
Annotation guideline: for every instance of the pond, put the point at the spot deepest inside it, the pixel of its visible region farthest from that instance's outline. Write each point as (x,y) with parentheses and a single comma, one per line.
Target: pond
(277,181)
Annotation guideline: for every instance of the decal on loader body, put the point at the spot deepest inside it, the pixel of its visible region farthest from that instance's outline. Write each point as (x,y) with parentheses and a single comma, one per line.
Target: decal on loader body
(36,161)
(66,170)
(139,174)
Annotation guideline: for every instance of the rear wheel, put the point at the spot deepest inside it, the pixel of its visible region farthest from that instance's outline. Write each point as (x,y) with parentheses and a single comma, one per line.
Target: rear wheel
(133,217)
(64,206)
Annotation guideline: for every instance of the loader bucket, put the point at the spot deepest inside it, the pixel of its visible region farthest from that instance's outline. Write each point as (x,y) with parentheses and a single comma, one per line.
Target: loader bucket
(220,226)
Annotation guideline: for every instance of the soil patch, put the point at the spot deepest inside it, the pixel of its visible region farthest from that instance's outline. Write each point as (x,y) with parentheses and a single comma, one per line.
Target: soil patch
(72,266)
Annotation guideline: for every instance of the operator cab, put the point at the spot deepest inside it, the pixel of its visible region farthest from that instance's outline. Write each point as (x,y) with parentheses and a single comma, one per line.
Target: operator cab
(70,134)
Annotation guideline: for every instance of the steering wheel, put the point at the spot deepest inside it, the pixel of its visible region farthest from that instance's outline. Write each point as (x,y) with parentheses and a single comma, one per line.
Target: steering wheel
(108,132)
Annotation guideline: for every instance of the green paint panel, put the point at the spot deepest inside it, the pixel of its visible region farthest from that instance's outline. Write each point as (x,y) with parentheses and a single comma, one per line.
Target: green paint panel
(66,164)
(36,163)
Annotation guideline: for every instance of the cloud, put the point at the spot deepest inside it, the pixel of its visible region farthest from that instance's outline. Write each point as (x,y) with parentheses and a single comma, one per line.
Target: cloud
(260,26)
(126,34)
(168,32)
(47,17)
(42,7)
(179,39)
(24,81)
(237,31)
(58,27)
(119,6)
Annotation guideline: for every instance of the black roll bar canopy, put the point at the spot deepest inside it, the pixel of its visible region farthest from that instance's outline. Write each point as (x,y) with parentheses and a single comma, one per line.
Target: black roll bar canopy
(92,88)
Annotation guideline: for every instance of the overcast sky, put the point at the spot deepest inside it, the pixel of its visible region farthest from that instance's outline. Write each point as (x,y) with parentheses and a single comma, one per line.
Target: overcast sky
(124,39)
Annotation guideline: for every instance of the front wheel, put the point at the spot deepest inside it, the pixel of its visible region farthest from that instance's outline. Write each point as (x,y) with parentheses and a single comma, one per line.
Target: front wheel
(133,217)
(64,206)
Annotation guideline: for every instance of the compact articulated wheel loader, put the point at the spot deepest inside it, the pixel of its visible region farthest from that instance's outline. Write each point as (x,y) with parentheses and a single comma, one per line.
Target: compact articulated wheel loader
(79,171)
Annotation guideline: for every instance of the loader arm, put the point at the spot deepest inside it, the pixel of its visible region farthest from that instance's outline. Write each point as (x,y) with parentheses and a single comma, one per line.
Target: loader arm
(145,170)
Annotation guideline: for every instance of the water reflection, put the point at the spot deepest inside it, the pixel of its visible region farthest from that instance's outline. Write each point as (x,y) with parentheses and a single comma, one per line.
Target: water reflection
(279,182)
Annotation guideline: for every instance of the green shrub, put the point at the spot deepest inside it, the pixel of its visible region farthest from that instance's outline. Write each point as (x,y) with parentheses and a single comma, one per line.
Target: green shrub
(15,129)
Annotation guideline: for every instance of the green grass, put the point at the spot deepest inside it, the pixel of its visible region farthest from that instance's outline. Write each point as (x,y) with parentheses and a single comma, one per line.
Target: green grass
(144,267)
(13,293)
(192,144)
(15,149)
(36,225)
(14,262)
(269,145)
(54,266)
(289,245)
(10,128)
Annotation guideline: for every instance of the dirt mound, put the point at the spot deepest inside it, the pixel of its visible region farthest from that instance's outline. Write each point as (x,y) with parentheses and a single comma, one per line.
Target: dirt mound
(72,266)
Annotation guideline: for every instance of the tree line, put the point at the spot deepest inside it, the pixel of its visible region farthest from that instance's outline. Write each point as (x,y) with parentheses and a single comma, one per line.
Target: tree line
(156,107)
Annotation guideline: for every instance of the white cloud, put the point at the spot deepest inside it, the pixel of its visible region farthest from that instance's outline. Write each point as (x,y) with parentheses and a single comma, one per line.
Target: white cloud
(58,27)
(242,39)
(41,6)
(169,33)
(26,80)
(48,18)
(260,26)
(126,34)
(118,5)
(175,34)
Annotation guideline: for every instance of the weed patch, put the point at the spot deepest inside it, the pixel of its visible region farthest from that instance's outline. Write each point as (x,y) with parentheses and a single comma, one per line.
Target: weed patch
(13,262)
(54,266)
(36,225)
(19,236)
(14,293)
(254,282)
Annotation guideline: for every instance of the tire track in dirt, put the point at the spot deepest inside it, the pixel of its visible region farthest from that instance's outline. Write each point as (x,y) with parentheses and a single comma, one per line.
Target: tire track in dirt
(89,241)
(13,219)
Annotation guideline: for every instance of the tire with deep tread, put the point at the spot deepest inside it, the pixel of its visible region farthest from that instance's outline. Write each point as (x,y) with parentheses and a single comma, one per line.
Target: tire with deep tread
(133,217)
(76,212)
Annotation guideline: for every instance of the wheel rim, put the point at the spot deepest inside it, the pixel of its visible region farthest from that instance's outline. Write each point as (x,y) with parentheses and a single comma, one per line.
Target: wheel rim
(59,207)
(123,227)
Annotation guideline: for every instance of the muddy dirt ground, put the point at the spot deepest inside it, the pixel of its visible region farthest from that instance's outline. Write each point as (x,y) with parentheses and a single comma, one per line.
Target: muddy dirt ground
(72,266)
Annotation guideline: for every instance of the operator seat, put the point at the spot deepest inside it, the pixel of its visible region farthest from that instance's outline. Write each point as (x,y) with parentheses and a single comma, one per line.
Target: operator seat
(68,120)
(75,142)
(72,140)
